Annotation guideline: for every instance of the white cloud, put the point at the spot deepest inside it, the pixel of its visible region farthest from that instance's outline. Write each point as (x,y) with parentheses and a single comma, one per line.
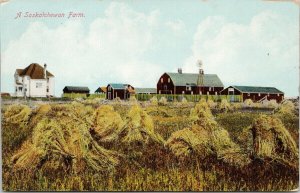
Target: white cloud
(110,50)
(257,53)
(178,26)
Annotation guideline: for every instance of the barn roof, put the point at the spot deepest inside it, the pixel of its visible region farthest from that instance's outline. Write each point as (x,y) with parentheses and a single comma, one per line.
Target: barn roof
(117,85)
(258,89)
(34,71)
(145,90)
(77,88)
(101,89)
(182,79)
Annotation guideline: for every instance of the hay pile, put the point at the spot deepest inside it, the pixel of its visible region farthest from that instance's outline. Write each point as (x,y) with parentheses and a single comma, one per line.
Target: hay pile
(224,105)
(272,140)
(154,100)
(107,124)
(17,114)
(62,141)
(206,138)
(139,127)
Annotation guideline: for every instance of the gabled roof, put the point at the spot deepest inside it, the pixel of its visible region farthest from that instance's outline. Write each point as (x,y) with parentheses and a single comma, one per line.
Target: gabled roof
(118,85)
(183,79)
(258,89)
(77,88)
(145,90)
(34,71)
(101,89)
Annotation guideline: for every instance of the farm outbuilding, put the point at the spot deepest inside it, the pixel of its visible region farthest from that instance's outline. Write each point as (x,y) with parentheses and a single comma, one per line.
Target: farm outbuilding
(76,89)
(101,90)
(145,90)
(189,83)
(123,91)
(254,93)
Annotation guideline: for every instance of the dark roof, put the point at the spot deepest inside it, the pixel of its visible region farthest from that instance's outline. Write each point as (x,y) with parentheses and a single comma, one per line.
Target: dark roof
(145,90)
(77,88)
(182,79)
(258,89)
(34,70)
(101,89)
(118,85)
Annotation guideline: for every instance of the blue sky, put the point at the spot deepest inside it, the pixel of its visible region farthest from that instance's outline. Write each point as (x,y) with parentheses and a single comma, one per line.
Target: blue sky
(245,42)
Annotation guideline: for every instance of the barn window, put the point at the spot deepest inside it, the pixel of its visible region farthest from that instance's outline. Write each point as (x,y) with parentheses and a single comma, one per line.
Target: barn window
(248,94)
(192,92)
(188,88)
(109,88)
(216,93)
(182,92)
(209,89)
(207,92)
(168,80)
(165,87)
(161,80)
(268,94)
(277,94)
(258,94)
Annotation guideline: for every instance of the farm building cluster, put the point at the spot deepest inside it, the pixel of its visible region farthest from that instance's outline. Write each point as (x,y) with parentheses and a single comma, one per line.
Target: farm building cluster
(36,81)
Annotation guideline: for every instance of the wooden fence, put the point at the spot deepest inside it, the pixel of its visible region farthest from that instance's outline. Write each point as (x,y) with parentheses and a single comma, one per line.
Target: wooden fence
(190,98)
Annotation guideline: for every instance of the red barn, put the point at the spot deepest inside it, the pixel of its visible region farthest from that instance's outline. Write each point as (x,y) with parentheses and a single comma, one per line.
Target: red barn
(254,93)
(189,83)
(114,90)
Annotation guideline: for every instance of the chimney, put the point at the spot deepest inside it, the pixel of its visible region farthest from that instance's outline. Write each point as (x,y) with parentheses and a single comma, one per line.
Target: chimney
(45,70)
(180,70)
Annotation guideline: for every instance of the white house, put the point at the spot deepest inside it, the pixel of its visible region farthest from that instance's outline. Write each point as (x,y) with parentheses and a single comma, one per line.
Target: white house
(34,81)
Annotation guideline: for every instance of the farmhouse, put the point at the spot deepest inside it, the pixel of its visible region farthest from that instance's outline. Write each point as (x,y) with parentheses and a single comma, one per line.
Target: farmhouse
(101,90)
(145,90)
(254,93)
(189,83)
(120,90)
(34,81)
(76,89)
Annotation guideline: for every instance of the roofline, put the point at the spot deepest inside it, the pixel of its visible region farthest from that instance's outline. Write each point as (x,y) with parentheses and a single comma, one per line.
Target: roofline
(255,92)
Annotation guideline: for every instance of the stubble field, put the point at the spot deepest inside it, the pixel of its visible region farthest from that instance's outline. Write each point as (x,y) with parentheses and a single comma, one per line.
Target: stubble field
(149,146)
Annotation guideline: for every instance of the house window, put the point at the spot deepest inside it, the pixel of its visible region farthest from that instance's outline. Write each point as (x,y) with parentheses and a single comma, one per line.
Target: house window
(161,80)
(47,89)
(168,80)
(16,89)
(39,85)
(20,88)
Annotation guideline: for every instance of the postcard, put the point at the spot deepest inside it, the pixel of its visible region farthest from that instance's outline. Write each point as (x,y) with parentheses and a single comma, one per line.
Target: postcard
(137,95)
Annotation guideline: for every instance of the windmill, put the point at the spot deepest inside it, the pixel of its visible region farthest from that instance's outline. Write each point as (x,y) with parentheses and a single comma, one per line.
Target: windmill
(200,81)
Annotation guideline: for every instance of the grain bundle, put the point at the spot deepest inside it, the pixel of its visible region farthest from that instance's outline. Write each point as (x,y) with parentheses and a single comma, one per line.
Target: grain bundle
(17,114)
(272,140)
(62,141)
(107,124)
(139,127)
(206,138)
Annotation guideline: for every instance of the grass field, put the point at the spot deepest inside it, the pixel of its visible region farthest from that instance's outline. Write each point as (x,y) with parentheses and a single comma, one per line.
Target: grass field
(149,146)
